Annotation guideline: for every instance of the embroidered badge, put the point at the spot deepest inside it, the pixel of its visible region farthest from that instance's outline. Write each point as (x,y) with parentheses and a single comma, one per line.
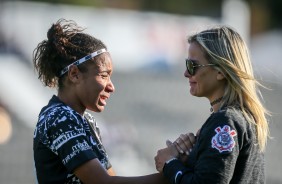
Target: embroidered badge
(223,140)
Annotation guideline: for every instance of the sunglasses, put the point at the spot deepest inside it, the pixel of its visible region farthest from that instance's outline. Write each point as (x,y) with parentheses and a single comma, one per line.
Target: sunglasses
(191,66)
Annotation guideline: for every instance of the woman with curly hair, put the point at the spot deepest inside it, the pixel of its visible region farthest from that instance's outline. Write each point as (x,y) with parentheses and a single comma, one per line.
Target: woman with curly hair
(67,142)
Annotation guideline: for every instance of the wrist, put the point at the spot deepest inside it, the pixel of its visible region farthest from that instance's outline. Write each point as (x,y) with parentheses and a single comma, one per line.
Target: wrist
(173,170)
(170,160)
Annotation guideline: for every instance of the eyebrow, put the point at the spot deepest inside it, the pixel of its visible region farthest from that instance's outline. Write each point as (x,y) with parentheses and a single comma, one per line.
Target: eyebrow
(105,71)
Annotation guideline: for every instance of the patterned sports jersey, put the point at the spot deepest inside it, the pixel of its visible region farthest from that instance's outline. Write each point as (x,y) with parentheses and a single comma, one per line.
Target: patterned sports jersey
(64,140)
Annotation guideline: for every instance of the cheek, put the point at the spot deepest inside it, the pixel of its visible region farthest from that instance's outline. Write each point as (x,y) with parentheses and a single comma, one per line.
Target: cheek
(96,90)
(201,83)
(100,85)
(92,88)
(203,77)
(97,87)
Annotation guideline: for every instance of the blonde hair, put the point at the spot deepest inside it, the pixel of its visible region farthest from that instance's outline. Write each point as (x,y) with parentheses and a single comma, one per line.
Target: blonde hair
(224,47)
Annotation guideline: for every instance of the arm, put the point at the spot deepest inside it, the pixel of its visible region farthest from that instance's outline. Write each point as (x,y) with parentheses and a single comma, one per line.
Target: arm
(214,159)
(78,157)
(68,140)
(185,142)
(93,173)
(111,172)
(178,149)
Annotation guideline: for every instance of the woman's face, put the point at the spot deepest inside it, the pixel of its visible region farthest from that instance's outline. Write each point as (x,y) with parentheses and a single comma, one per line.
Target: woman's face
(96,85)
(206,82)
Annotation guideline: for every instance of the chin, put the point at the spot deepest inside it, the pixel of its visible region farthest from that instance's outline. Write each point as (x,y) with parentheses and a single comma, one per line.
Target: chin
(195,94)
(100,109)
(97,109)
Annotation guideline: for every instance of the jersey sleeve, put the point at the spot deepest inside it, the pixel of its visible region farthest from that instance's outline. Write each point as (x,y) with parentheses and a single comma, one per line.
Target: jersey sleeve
(67,139)
(217,151)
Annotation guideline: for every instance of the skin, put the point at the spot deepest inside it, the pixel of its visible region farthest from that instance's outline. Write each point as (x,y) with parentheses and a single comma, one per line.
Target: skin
(207,82)
(178,149)
(90,90)
(185,143)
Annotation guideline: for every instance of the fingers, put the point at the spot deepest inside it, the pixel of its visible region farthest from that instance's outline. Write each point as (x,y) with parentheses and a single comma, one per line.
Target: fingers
(157,162)
(198,133)
(192,138)
(168,143)
(179,149)
(172,149)
(158,165)
(162,156)
(185,143)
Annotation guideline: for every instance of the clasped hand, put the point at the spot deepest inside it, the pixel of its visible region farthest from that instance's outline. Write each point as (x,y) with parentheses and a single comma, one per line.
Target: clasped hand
(180,149)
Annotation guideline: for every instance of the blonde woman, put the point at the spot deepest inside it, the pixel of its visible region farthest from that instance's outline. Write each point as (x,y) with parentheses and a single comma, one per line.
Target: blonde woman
(229,147)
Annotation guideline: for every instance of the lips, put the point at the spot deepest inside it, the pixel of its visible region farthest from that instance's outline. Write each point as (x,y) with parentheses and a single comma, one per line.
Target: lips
(192,83)
(103,99)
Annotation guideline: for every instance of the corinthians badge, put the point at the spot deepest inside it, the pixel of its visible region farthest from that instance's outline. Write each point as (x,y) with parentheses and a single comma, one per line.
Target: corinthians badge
(223,140)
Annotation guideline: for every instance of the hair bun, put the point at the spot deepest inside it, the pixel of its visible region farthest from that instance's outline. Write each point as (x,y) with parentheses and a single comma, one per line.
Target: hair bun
(55,33)
(57,38)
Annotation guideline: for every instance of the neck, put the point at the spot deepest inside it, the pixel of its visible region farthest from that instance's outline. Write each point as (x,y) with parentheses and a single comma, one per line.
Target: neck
(71,101)
(215,104)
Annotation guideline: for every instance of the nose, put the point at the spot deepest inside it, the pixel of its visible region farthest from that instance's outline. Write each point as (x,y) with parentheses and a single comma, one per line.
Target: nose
(110,87)
(186,74)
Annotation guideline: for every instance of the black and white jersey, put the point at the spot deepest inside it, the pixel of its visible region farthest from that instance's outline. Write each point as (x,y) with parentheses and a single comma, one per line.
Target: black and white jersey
(64,140)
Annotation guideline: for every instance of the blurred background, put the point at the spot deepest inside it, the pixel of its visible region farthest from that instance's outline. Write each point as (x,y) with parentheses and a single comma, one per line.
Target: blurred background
(147,41)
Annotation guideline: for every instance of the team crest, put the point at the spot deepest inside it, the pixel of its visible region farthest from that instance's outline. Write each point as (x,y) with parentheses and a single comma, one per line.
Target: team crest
(223,140)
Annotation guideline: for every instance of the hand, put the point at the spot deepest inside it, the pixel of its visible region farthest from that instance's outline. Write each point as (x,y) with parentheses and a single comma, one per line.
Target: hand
(182,157)
(164,155)
(184,143)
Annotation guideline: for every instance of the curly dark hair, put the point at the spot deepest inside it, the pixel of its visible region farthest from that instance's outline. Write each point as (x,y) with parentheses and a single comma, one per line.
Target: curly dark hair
(65,44)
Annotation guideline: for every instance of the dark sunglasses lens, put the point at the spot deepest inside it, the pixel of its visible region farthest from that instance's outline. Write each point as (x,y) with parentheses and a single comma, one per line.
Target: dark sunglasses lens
(190,67)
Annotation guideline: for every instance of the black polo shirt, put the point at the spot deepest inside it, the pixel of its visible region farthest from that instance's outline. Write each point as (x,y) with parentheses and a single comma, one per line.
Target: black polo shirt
(226,151)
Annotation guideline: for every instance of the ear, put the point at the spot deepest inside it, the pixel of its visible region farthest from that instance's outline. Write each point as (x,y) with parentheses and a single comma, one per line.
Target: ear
(220,76)
(74,74)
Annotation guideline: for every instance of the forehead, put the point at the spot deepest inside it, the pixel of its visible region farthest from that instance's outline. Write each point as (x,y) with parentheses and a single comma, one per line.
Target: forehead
(104,61)
(195,48)
(195,52)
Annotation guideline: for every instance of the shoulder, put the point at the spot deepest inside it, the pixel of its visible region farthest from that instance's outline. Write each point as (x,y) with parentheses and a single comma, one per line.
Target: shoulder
(56,111)
(56,116)
(228,128)
(232,117)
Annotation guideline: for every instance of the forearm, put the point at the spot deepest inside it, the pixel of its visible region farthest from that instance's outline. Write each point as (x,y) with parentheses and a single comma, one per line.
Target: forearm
(156,178)
(111,172)
(93,173)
